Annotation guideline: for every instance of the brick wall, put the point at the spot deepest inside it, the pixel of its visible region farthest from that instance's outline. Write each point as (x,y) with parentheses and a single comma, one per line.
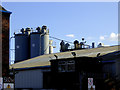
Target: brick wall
(5,44)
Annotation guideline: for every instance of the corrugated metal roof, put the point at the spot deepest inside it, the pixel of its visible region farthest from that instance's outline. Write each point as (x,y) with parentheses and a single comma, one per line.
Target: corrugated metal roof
(44,59)
(111,56)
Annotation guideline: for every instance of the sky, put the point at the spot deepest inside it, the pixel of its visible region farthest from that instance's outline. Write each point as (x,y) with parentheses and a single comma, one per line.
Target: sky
(60,0)
(95,21)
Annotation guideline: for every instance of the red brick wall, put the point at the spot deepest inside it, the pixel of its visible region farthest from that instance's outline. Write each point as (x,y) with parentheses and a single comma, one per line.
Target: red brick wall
(5,44)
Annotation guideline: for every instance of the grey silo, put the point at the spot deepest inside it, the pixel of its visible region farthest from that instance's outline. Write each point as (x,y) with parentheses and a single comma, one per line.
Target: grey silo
(35,43)
(44,40)
(22,46)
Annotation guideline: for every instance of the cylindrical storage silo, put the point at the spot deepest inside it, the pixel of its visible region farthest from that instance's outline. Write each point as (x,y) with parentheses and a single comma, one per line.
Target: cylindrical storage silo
(50,46)
(35,44)
(44,41)
(21,47)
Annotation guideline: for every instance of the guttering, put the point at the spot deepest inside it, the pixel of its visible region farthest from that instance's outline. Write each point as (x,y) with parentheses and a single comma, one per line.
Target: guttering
(110,61)
(5,11)
(31,68)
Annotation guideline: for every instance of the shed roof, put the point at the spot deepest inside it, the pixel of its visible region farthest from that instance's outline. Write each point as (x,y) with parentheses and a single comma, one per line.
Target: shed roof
(44,60)
(111,56)
(2,9)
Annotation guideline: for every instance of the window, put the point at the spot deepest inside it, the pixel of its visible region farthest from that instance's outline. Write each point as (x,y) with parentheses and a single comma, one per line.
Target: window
(66,66)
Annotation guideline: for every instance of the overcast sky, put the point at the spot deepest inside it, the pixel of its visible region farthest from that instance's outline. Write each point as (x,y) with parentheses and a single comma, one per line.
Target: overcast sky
(95,21)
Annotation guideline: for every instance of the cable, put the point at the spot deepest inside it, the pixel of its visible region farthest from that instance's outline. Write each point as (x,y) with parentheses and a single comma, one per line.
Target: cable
(57,39)
(60,39)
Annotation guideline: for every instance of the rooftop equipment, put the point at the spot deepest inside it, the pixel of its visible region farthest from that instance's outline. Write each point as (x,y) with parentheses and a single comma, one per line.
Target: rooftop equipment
(66,46)
(50,46)
(27,31)
(23,31)
(100,45)
(39,29)
(76,44)
(62,46)
(93,45)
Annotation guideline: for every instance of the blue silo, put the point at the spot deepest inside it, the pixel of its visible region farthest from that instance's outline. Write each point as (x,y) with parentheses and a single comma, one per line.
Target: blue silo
(22,45)
(35,43)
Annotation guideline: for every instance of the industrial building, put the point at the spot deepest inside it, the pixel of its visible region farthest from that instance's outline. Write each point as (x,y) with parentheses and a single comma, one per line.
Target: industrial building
(37,67)
(69,69)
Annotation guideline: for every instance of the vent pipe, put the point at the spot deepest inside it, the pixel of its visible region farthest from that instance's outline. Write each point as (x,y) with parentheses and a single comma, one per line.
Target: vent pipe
(50,46)
(76,44)
(39,29)
(23,31)
(27,31)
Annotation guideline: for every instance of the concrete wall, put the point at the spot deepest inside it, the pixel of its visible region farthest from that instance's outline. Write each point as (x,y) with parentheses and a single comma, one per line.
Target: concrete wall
(29,79)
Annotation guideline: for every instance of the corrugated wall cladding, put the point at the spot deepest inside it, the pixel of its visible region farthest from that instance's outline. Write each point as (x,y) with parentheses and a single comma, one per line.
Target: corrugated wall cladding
(110,68)
(29,79)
